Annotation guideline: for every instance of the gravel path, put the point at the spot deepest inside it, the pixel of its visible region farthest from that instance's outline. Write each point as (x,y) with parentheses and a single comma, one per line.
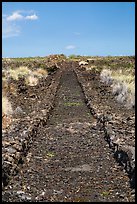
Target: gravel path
(69,160)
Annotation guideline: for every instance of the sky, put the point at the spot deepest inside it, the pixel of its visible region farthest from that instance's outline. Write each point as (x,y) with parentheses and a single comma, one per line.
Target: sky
(31,29)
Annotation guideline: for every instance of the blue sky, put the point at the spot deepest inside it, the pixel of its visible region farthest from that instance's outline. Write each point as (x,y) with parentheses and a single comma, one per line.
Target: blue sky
(81,28)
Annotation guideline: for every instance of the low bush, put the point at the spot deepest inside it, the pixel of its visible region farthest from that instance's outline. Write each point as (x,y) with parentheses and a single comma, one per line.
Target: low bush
(19,72)
(123,86)
(105,76)
(31,80)
(40,73)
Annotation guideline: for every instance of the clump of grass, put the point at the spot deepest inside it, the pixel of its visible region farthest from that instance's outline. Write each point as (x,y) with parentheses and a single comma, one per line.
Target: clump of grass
(4,84)
(50,154)
(8,86)
(31,77)
(122,77)
(119,88)
(22,71)
(31,80)
(6,106)
(105,193)
(105,76)
(130,103)
(41,72)
(122,84)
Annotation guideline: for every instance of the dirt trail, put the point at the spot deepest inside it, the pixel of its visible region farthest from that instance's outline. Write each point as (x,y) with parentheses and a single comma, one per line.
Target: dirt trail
(69,160)
(69,104)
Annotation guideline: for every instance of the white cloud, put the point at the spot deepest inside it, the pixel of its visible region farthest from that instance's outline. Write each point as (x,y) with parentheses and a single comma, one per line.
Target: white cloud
(15,16)
(32,17)
(69,47)
(10,26)
(9,29)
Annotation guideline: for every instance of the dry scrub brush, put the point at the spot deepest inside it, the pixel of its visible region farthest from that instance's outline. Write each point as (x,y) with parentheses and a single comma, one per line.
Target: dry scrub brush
(19,72)
(31,80)
(40,73)
(122,84)
(31,77)
(6,106)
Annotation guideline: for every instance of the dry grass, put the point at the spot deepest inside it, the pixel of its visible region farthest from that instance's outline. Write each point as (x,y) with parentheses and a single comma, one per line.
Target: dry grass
(31,80)
(7,112)
(122,84)
(6,106)
(31,77)
(105,76)
(122,77)
(19,72)
(126,78)
(8,87)
(40,73)
(130,103)
(131,86)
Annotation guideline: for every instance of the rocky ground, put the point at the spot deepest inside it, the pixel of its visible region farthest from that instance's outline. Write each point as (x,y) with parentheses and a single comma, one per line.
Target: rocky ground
(60,149)
(117,121)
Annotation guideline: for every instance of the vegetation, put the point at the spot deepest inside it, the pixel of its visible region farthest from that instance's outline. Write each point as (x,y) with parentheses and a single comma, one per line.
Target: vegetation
(22,71)
(6,106)
(122,82)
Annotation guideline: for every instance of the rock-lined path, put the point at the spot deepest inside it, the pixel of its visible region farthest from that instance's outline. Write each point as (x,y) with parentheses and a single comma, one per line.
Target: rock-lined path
(69,160)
